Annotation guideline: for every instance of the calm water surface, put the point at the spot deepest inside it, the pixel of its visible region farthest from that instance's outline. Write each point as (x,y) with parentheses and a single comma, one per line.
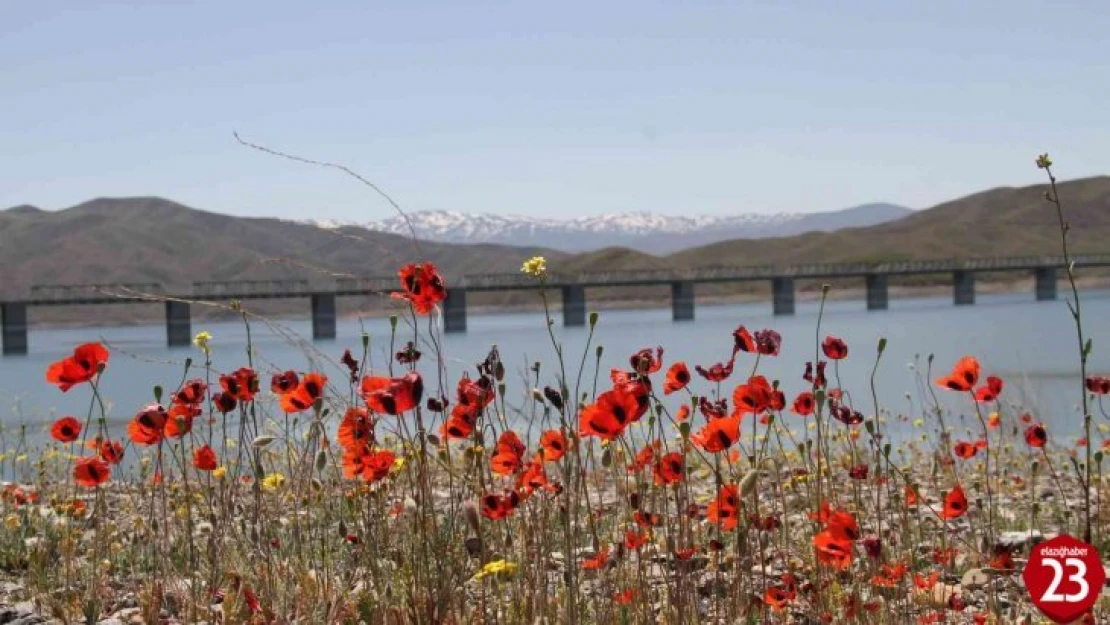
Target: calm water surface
(1032,345)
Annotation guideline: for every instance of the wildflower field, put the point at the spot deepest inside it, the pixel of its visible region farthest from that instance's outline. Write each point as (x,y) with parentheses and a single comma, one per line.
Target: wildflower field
(658,492)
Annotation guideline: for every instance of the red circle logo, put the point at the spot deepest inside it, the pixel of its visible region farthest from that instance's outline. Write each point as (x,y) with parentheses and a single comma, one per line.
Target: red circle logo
(1064,577)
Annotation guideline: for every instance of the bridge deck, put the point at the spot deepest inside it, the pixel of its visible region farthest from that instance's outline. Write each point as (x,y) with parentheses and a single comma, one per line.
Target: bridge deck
(104,294)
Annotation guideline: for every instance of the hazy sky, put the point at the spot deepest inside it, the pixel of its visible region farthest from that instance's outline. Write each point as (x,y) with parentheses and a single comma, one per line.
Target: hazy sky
(548,108)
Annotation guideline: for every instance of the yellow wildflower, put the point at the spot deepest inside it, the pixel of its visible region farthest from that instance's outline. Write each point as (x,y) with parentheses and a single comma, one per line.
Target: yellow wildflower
(918,423)
(201,341)
(273,482)
(497,567)
(535,267)
(219,473)
(12,521)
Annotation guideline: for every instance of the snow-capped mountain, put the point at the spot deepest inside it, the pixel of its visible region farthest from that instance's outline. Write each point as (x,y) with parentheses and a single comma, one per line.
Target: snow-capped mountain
(646,231)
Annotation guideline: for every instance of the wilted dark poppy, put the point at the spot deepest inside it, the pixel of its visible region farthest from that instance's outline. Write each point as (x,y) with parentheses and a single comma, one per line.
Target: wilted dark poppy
(768,342)
(66,430)
(609,415)
(819,381)
(844,414)
(678,376)
(81,367)
(422,286)
(644,361)
(1098,384)
(647,519)
(712,409)
(718,372)
(964,375)
(352,365)
(955,504)
(1036,435)
(835,348)
(393,396)
(858,472)
(91,472)
(408,355)
(554,397)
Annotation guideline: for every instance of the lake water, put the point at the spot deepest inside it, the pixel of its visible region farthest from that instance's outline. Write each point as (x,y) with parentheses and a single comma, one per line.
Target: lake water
(1030,344)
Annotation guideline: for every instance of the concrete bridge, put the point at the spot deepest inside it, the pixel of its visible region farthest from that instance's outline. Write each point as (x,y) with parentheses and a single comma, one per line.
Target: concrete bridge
(571,286)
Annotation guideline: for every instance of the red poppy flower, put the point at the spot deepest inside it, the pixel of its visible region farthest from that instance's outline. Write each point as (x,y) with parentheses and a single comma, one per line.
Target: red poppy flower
(191,393)
(964,375)
(832,550)
(204,459)
(78,368)
(965,450)
(179,420)
(369,464)
(554,445)
(422,286)
(1036,435)
(647,519)
(718,372)
(891,575)
(224,403)
(1098,384)
(624,597)
(768,342)
(1003,559)
(597,562)
(305,393)
(718,435)
(683,413)
(644,458)
(724,510)
(835,348)
(743,340)
(505,463)
(609,415)
(286,382)
(991,391)
(66,430)
(497,507)
(532,477)
(393,396)
(91,472)
(241,385)
(678,376)
(926,583)
(955,504)
(148,427)
(804,404)
(754,397)
(778,598)
(110,451)
(644,361)
(858,472)
(669,469)
(476,394)
(356,430)
(460,424)
(634,540)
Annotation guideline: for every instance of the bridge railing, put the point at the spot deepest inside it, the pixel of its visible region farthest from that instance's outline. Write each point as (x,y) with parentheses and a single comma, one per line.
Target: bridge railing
(63,292)
(227,288)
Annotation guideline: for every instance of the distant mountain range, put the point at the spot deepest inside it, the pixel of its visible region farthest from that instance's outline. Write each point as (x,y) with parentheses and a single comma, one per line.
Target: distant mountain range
(659,234)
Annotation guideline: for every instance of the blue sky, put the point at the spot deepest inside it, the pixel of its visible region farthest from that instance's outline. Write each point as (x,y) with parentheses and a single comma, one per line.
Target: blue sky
(556,109)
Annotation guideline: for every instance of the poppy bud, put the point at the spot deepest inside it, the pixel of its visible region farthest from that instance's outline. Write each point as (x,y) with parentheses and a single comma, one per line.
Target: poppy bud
(593,318)
(158,393)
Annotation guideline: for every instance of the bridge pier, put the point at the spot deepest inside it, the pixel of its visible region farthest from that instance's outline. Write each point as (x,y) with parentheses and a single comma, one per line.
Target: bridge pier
(574,306)
(14,333)
(178,326)
(782,295)
(876,292)
(682,300)
(1046,283)
(323,316)
(454,311)
(963,287)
